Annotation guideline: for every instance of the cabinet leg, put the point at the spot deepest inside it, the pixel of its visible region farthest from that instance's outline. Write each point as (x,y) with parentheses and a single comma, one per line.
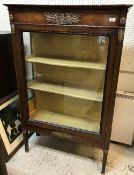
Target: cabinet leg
(25,134)
(105,154)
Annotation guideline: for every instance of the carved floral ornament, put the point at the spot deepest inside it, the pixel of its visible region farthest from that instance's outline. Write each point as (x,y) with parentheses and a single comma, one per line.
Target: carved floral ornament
(62,18)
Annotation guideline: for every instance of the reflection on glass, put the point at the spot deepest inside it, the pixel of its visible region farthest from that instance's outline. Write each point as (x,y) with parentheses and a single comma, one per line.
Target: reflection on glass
(68,79)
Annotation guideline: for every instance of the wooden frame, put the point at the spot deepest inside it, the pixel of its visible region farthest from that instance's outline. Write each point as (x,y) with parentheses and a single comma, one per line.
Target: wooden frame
(3,169)
(92,20)
(11,146)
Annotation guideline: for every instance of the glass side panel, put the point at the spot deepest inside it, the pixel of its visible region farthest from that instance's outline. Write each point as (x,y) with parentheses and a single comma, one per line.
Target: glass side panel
(65,79)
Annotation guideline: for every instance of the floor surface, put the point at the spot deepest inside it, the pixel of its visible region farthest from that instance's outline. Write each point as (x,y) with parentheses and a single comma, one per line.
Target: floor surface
(50,156)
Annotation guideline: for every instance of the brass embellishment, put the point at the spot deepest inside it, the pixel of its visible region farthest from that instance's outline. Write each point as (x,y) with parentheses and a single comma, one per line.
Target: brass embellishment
(62,135)
(121,34)
(11,17)
(12,28)
(62,18)
(123,21)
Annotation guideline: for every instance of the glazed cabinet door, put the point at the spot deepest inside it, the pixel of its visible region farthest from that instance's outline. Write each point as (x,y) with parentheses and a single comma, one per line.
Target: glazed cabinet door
(66,75)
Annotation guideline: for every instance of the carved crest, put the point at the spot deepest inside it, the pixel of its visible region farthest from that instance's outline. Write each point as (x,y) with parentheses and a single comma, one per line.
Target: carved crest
(62,18)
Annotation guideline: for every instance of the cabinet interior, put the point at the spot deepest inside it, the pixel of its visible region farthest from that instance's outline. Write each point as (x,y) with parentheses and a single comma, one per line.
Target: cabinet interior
(67,83)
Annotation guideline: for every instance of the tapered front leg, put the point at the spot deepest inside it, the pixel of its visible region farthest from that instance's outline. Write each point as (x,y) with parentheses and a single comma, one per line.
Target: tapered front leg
(25,134)
(105,154)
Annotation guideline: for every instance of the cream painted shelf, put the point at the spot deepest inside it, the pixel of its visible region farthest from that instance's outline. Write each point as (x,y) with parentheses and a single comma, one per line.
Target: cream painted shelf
(66,120)
(66,63)
(69,91)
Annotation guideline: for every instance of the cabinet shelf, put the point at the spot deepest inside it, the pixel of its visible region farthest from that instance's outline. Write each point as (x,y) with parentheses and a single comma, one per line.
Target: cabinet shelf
(65,63)
(69,91)
(65,120)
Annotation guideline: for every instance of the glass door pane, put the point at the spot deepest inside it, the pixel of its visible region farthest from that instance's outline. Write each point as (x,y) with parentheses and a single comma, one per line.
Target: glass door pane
(67,82)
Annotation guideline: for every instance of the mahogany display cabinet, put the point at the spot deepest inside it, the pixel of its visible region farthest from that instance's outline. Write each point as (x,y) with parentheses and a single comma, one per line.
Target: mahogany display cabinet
(75,59)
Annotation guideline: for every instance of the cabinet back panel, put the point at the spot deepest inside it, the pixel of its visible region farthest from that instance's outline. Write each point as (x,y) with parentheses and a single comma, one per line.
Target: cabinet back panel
(67,105)
(80,78)
(71,46)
